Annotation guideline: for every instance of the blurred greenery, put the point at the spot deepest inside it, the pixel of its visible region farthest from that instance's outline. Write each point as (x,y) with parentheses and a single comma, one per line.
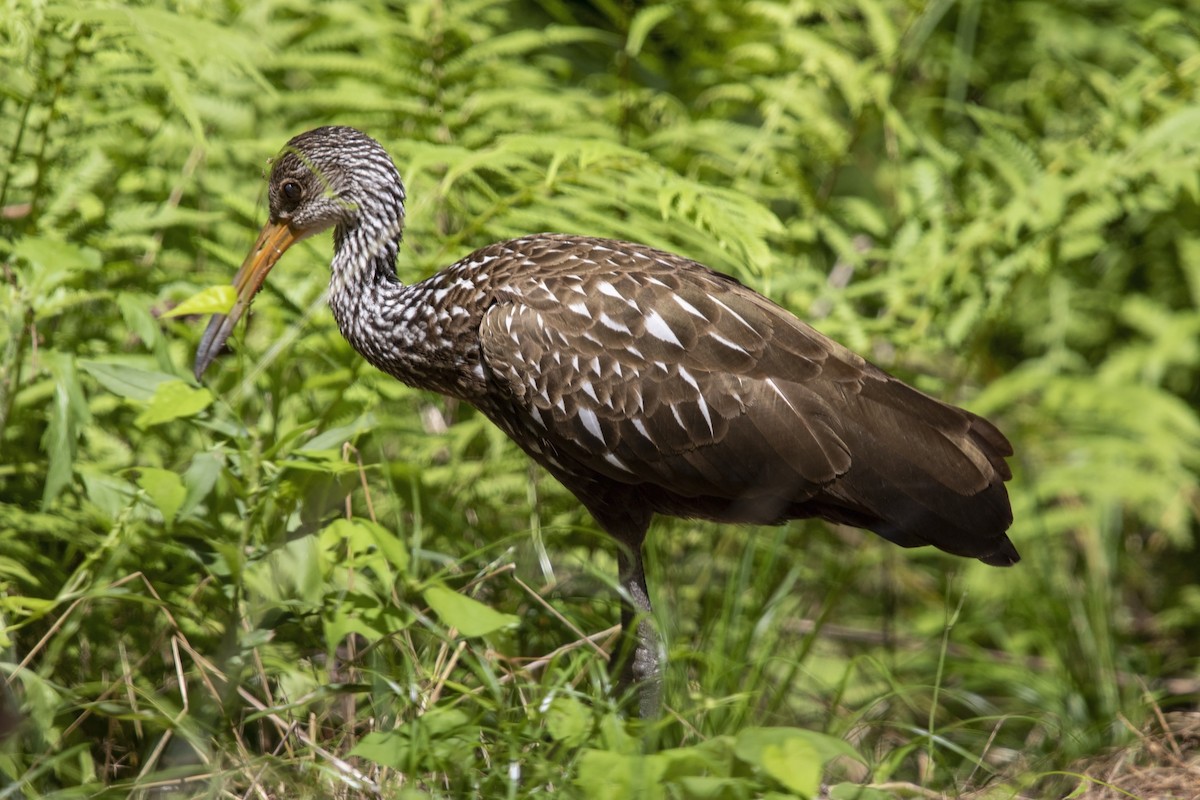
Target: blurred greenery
(257,585)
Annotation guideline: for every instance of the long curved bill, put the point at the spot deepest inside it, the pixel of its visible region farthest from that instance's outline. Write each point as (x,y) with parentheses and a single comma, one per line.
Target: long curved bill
(275,238)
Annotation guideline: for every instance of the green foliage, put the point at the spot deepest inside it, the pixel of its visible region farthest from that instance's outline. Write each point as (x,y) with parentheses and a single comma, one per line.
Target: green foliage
(301,578)
(780,762)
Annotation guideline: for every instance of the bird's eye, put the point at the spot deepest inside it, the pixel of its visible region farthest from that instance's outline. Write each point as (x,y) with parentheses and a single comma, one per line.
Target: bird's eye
(291,190)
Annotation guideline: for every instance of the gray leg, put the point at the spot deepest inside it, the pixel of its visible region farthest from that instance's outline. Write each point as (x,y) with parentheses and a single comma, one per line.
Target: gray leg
(644,670)
(625,516)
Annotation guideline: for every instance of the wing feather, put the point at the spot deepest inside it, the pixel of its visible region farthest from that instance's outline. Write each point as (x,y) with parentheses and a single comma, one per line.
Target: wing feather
(654,371)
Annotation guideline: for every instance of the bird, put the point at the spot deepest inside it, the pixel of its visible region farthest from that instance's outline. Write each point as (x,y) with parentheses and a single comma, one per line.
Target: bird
(644,382)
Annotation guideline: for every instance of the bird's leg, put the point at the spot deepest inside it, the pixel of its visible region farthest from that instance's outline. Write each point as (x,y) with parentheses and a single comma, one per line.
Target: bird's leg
(644,669)
(625,516)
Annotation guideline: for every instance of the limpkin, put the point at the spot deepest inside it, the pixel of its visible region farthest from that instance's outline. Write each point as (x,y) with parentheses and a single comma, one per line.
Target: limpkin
(644,382)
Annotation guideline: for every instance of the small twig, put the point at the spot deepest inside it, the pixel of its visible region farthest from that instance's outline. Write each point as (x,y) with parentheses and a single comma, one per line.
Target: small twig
(542,662)
(986,746)
(1162,722)
(444,672)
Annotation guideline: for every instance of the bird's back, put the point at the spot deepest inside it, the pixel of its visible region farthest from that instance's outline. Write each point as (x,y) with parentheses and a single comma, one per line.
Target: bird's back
(642,378)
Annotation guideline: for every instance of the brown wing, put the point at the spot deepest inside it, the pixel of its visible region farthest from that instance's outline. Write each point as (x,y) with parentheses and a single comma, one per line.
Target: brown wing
(649,369)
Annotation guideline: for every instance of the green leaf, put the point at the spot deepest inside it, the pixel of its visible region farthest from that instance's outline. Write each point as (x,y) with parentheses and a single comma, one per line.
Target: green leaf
(568,721)
(604,775)
(643,22)
(383,747)
(110,494)
(68,412)
(713,757)
(135,314)
(334,438)
(430,742)
(366,540)
(213,300)
(792,756)
(470,617)
(200,479)
(712,787)
(125,381)
(363,613)
(173,400)
(289,576)
(164,488)
(793,763)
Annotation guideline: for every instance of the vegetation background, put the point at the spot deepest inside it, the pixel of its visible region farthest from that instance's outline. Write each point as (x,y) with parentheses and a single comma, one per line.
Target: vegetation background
(299,578)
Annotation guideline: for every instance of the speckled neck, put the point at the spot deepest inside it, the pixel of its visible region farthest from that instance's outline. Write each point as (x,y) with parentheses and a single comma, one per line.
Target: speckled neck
(400,329)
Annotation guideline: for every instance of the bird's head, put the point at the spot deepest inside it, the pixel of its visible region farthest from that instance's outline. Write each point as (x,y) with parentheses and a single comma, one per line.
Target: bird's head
(330,177)
(327,176)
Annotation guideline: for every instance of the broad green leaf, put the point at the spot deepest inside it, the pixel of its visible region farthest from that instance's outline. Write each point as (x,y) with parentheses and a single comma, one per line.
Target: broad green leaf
(712,757)
(750,740)
(21,605)
(213,300)
(795,764)
(164,488)
(792,756)
(470,617)
(125,381)
(173,400)
(616,737)
(41,700)
(605,775)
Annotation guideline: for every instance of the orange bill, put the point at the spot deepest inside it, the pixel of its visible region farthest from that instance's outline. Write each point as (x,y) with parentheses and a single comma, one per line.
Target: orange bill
(275,238)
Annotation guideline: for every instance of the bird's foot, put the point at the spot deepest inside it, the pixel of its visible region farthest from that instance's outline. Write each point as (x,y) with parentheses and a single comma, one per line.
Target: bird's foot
(646,669)
(643,672)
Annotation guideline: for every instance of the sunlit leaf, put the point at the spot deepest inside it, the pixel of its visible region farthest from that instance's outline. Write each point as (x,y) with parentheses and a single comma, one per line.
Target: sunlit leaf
(213,300)
(165,490)
(470,617)
(174,400)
